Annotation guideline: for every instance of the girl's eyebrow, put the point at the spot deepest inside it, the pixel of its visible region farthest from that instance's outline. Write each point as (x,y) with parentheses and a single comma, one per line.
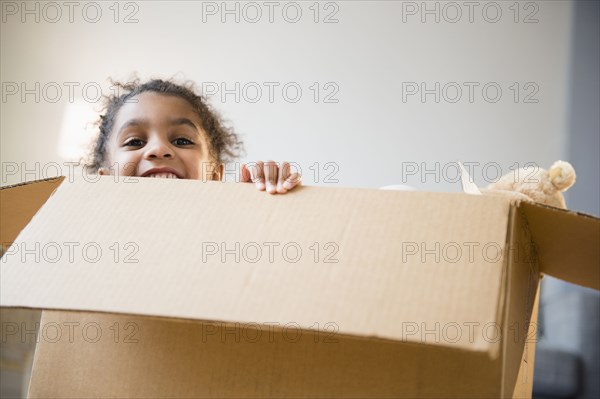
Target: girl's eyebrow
(185,121)
(130,123)
(142,122)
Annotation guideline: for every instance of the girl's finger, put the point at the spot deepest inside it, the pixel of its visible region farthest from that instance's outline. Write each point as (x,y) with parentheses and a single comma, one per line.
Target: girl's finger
(284,173)
(103,171)
(245,176)
(271,169)
(292,181)
(257,174)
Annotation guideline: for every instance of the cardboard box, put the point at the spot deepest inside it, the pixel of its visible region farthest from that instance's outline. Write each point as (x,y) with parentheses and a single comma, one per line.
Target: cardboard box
(179,288)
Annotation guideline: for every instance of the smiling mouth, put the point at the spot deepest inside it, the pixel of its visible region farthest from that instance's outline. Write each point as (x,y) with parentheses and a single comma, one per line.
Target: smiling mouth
(163,175)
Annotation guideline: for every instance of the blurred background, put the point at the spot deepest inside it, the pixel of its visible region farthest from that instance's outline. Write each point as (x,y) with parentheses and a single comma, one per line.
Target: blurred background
(355,93)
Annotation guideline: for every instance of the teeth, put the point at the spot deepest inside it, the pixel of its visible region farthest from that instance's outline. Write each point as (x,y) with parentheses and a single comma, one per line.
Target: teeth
(163,176)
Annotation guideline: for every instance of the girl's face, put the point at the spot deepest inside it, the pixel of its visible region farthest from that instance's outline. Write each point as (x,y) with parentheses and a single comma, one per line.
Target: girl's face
(158,135)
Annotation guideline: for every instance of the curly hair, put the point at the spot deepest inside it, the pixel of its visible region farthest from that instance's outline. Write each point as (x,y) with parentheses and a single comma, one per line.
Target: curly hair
(225,144)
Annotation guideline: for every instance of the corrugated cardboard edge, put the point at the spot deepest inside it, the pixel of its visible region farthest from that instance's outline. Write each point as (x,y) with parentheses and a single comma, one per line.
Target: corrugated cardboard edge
(492,354)
(556,233)
(522,290)
(25,183)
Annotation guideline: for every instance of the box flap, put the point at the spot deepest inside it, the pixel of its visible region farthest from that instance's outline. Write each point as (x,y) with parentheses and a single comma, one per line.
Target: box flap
(375,263)
(18,204)
(161,358)
(567,243)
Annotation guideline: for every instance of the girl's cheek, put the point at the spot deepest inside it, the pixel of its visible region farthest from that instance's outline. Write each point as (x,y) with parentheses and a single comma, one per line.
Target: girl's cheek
(209,170)
(125,163)
(129,169)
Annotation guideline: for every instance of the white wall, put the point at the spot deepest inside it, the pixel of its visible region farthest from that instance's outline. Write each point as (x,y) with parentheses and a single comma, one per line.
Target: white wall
(370,134)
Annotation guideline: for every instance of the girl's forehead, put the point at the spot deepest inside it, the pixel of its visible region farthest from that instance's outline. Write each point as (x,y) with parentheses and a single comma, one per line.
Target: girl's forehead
(155,107)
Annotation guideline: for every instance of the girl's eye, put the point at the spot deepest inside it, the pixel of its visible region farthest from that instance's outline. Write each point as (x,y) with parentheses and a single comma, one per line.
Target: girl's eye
(133,143)
(182,141)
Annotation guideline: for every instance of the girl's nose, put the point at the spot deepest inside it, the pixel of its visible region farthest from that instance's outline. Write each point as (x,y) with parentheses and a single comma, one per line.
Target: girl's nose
(158,149)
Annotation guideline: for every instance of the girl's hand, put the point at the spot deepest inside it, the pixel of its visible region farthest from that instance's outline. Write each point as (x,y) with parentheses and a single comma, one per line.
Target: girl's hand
(270,177)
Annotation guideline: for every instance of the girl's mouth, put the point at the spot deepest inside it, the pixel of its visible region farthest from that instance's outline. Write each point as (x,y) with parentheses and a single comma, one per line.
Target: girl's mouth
(163,175)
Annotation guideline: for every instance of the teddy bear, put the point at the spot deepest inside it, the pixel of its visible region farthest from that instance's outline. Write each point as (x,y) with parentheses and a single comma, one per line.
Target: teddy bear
(536,184)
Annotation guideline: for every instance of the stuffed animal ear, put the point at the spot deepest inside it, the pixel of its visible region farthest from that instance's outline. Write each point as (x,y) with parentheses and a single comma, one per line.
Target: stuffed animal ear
(562,175)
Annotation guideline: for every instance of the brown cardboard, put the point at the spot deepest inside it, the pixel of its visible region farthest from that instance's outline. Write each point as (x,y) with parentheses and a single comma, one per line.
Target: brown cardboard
(520,320)
(184,360)
(567,243)
(366,226)
(18,204)
(375,292)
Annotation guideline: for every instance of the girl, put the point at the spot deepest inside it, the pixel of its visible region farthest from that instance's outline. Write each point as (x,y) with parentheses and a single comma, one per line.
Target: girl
(161,129)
